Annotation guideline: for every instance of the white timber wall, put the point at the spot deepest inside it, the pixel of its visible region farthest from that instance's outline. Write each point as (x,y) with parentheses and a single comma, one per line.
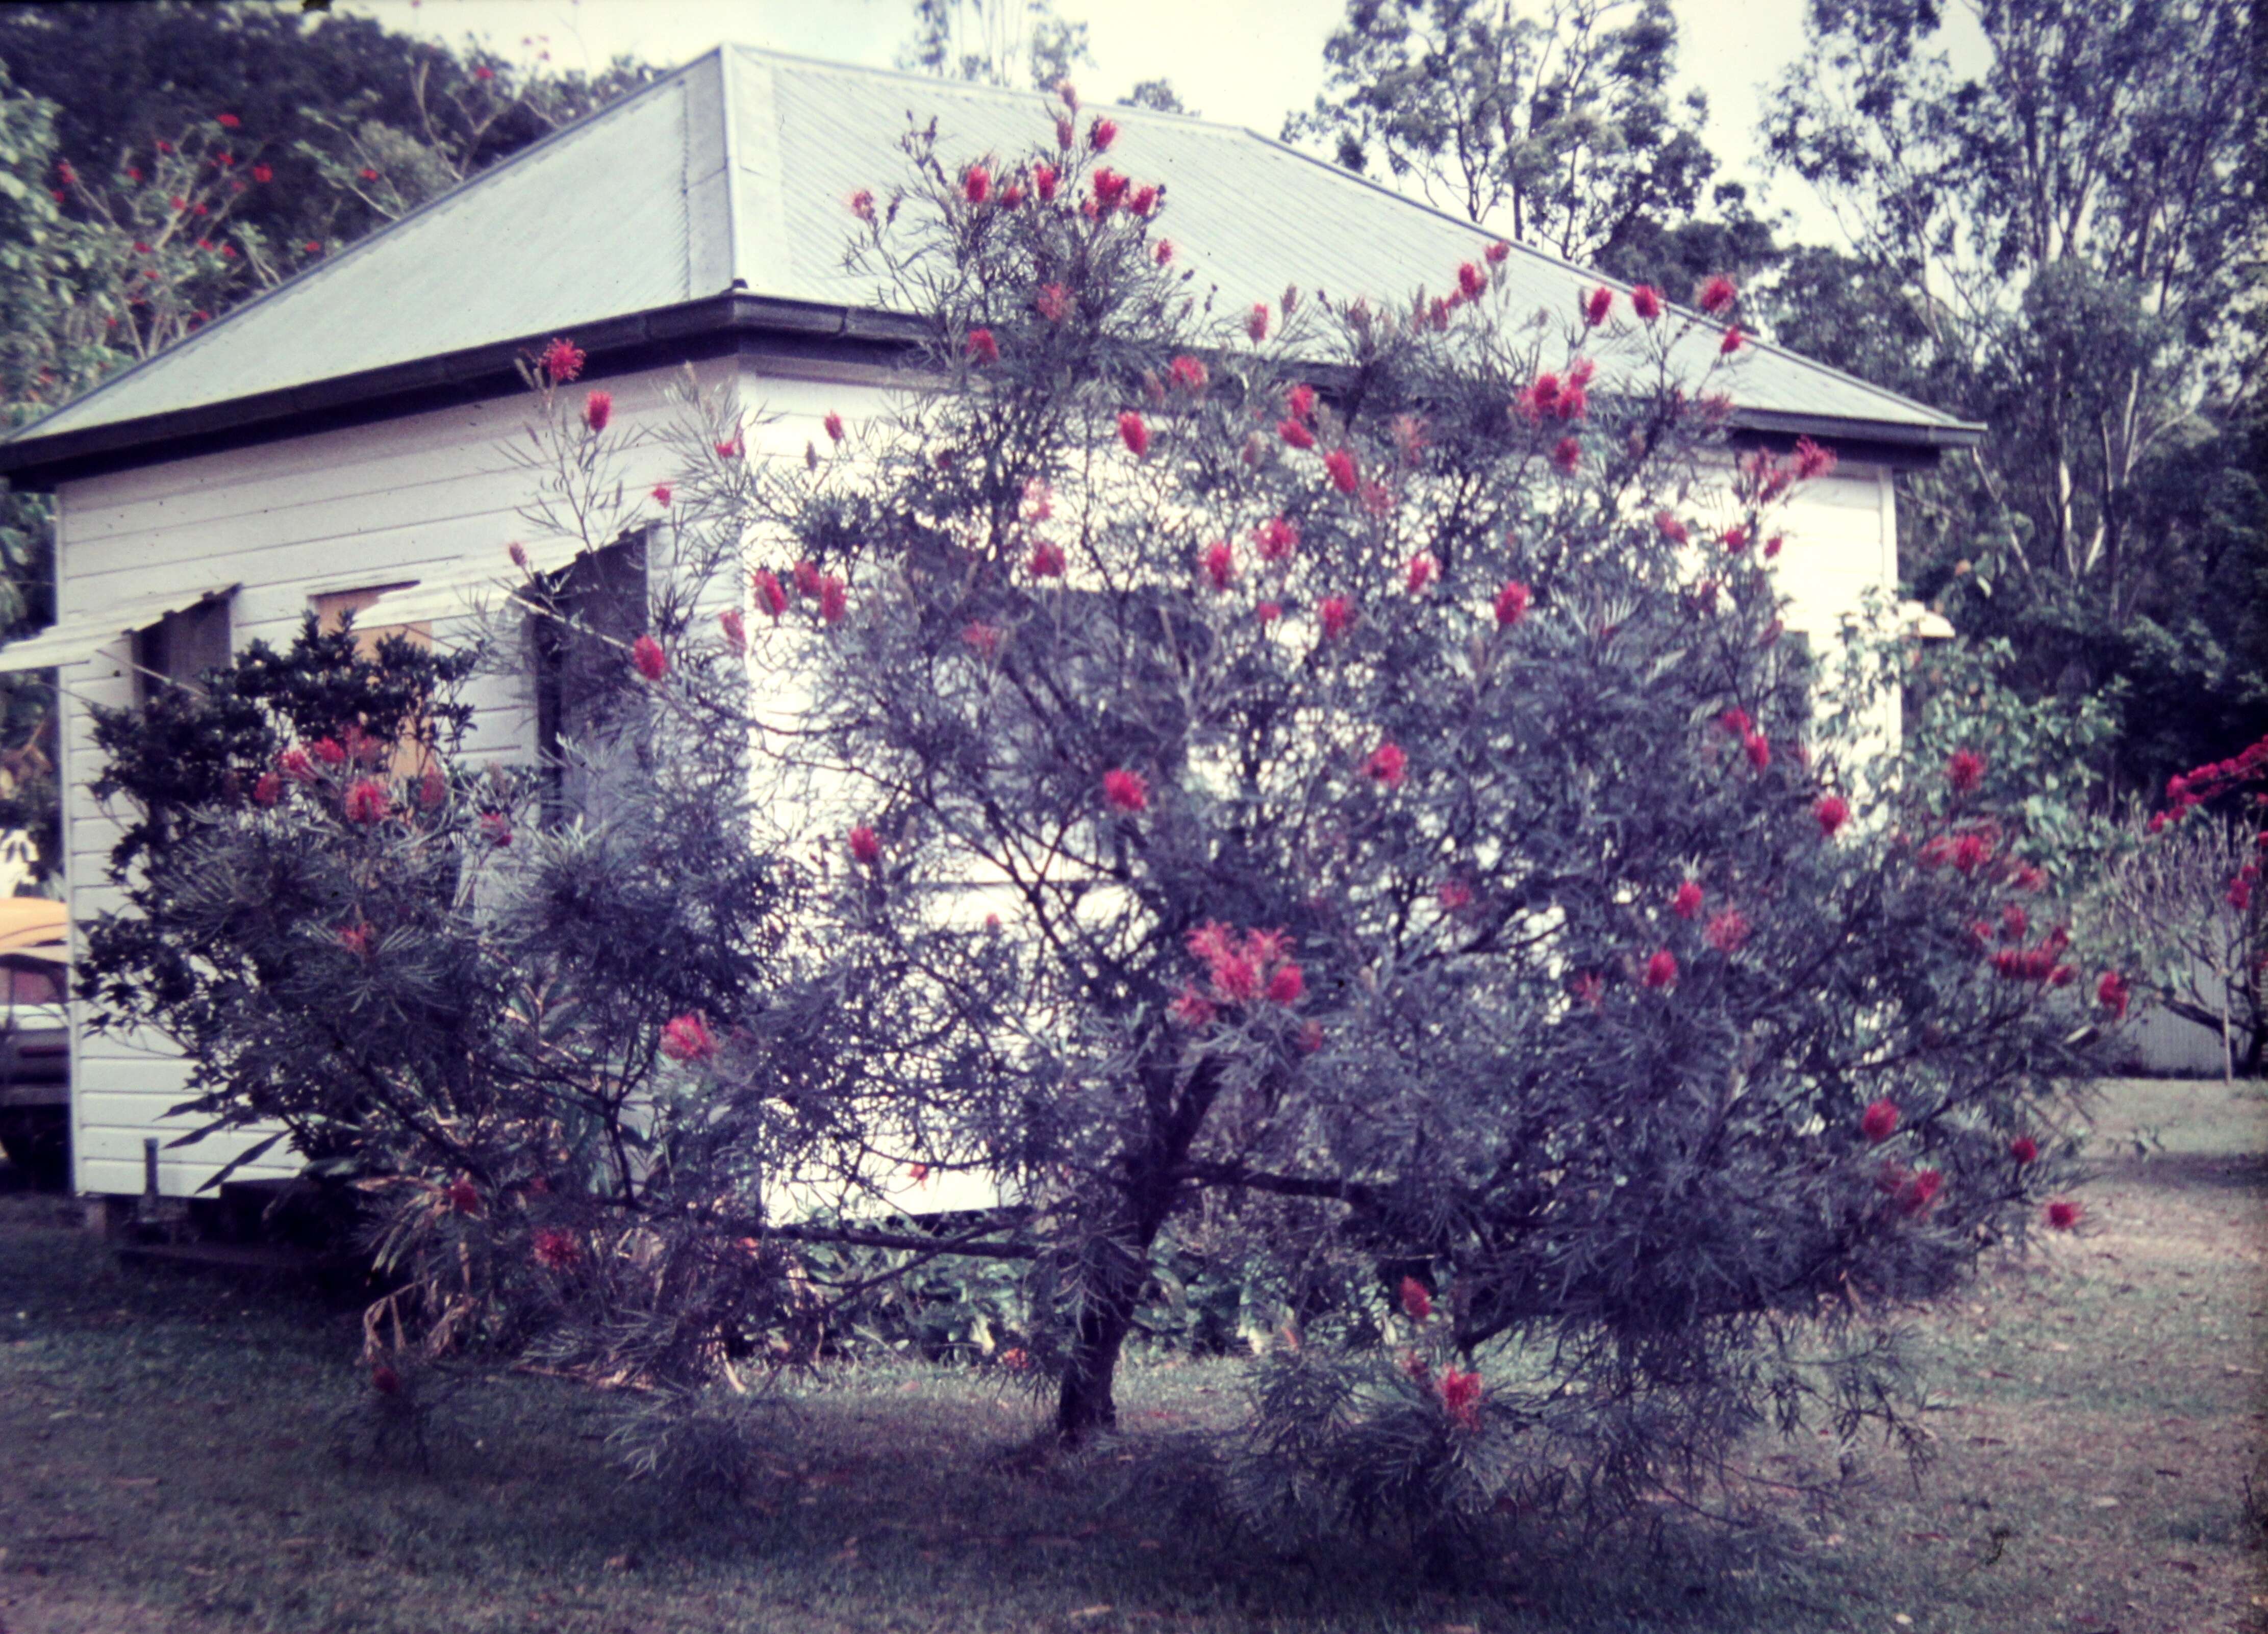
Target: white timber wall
(405,499)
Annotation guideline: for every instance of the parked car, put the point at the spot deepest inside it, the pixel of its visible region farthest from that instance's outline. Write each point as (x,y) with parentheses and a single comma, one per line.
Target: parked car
(35,1037)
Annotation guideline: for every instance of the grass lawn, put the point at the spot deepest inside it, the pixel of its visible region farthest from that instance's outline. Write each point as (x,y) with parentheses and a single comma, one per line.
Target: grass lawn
(166,1464)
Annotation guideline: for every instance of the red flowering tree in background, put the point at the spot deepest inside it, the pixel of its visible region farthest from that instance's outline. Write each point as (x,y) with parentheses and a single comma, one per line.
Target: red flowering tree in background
(1325,779)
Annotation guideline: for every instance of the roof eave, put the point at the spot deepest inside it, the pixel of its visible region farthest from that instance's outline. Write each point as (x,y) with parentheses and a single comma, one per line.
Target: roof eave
(644,339)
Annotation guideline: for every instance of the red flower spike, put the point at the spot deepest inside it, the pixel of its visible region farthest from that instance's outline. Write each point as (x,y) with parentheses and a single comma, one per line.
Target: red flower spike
(1964,770)
(1163,252)
(1454,895)
(1287,985)
(1661,970)
(562,360)
(555,1249)
(1046,561)
(1589,989)
(1498,252)
(260,173)
(862,204)
(1879,1122)
(1277,538)
(1686,904)
(268,789)
(1916,1195)
(1101,134)
(662,495)
(1045,178)
(1420,572)
(834,600)
(2024,1149)
(227,121)
(463,1196)
(982,348)
(1295,434)
(686,1039)
(1831,813)
(1145,200)
(1255,322)
(1134,434)
(1126,792)
(652,661)
(367,802)
(1471,281)
(1460,1398)
(1187,374)
(1598,307)
(1387,764)
(1109,189)
(866,846)
(1339,465)
(734,629)
(1192,1009)
(1717,295)
(1728,931)
(1758,749)
(1268,613)
(1733,342)
(833,426)
(1512,604)
(330,752)
(976,184)
(2062,1214)
(1670,528)
(2113,994)
(1567,456)
(598,409)
(1646,301)
(1219,563)
(1417,1300)
(1811,460)
(771,595)
(1337,616)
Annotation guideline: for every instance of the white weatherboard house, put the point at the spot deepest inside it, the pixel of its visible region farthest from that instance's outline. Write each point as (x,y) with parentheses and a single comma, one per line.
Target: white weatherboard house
(346,434)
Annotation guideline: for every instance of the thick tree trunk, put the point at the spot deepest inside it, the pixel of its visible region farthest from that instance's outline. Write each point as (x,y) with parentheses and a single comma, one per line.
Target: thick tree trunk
(1116,1272)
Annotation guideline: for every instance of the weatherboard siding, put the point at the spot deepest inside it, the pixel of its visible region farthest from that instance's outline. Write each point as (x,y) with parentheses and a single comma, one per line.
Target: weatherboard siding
(400,499)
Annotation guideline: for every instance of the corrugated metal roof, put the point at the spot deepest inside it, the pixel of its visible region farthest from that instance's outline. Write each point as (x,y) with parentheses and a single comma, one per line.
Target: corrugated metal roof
(736,170)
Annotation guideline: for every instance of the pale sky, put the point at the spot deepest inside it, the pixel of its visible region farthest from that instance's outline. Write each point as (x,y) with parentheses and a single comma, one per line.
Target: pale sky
(1243,61)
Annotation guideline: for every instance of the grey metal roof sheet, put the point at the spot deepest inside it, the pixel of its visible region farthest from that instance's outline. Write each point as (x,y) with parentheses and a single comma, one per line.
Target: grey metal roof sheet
(737,169)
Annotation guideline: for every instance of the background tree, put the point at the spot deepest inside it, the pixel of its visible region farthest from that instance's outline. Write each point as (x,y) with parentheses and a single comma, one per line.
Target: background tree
(1027,44)
(2059,246)
(1556,131)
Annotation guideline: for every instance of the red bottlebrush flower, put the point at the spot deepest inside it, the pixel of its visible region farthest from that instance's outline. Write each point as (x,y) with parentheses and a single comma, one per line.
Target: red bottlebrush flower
(1567,456)
(598,409)
(1811,460)
(2062,1214)
(652,661)
(463,1196)
(495,829)
(1066,133)
(330,751)
(1277,538)
(1255,322)
(1387,764)
(1268,613)
(1758,749)
(1728,931)
(2024,1149)
(862,204)
(662,495)
(1772,547)
(164,147)
(1589,988)
(557,1249)
(982,639)
(735,630)
(482,71)
(1134,434)
(1661,969)
(1646,301)
(1188,374)
(1598,307)
(1299,402)
(1046,561)
(1124,791)
(1420,572)
(314,246)
(865,846)
(268,789)
(1235,978)
(1192,1009)
(2239,894)
(1163,252)
(1295,434)
(1686,904)
(1512,604)
(1454,895)
(1574,403)
(294,764)
(982,348)
(1717,295)
(1497,253)
(367,802)
(1736,539)
(1052,302)
(1879,1122)
(562,361)
(1101,134)
(1470,280)
(1219,563)
(368,174)
(1670,528)
(355,939)
(2028,877)
(384,1381)
(1970,852)
(1460,1398)
(1337,616)
(1919,1191)
(1109,189)
(834,600)
(833,426)
(1340,466)
(1831,813)
(2113,994)
(1733,342)
(2015,923)
(1045,178)
(1287,985)
(227,121)
(1145,200)
(1417,1299)
(976,184)
(771,595)
(686,1039)
(806,577)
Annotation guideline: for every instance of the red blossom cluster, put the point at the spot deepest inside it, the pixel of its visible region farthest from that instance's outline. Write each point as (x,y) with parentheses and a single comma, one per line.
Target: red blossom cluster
(2042,964)
(651,661)
(866,846)
(367,802)
(1417,1299)
(1460,1398)
(1126,792)
(1250,969)
(1879,1120)
(686,1039)
(1512,604)
(1387,765)
(557,1249)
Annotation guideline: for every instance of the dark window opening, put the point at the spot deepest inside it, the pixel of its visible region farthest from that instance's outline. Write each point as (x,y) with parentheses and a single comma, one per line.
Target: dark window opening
(596,609)
(181,647)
